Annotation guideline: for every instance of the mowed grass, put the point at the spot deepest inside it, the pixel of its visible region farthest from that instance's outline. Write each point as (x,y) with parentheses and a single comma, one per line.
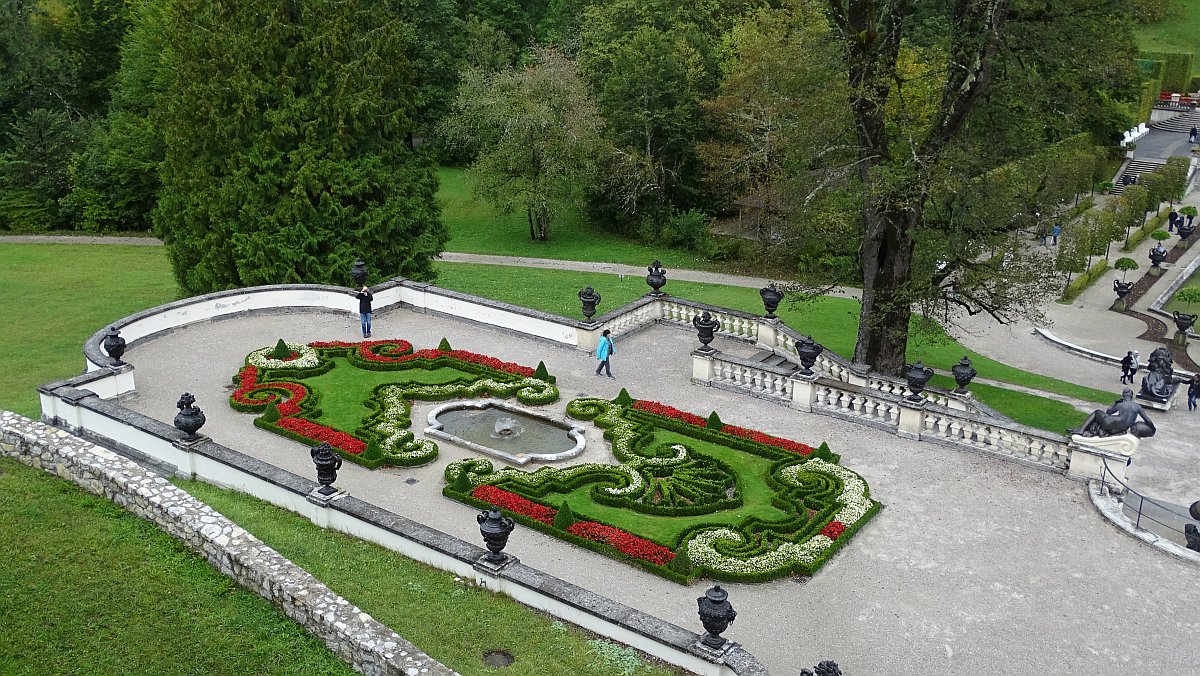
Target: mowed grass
(88,588)
(476,227)
(1177,33)
(343,391)
(453,622)
(833,322)
(53,296)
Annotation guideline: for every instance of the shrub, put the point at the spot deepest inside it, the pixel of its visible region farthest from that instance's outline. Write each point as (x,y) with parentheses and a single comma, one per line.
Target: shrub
(1176,69)
(281,351)
(444,345)
(542,374)
(565,517)
(1160,235)
(1083,281)
(714,422)
(623,398)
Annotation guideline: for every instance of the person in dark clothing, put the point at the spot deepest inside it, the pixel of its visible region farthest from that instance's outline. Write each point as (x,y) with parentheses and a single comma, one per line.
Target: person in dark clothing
(365,297)
(1127,368)
(1171,219)
(1193,134)
(1193,391)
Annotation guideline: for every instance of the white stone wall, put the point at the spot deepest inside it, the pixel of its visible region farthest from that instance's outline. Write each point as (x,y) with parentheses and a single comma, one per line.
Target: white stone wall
(365,644)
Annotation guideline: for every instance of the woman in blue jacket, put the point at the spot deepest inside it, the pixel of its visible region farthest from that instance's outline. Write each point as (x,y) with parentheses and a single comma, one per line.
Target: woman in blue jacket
(604,350)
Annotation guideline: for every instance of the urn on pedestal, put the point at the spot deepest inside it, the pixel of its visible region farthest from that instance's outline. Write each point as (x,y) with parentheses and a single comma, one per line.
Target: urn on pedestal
(963,374)
(114,344)
(918,376)
(328,463)
(358,272)
(590,298)
(705,326)
(657,278)
(190,418)
(770,298)
(808,350)
(495,530)
(716,614)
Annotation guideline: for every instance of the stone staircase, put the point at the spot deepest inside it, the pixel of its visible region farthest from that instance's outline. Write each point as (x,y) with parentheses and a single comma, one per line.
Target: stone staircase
(1135,167)
(774,360)
(1180,123)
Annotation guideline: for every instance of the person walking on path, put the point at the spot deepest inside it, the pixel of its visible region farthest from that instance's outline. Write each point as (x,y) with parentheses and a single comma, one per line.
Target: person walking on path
(1193,391)
(1055,232)
(1127,368)
(1193,134)
(365,297)
(604,350)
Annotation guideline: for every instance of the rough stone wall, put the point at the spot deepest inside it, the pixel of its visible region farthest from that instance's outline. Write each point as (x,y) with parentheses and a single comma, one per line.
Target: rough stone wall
(365,644)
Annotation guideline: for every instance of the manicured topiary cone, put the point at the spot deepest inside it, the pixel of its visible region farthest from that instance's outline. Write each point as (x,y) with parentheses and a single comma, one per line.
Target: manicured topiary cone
(272,413)
(542,374)
(281,351)
(565,517)
(682,563)
(462,483)
(444,346)
(714,422)
(623,398)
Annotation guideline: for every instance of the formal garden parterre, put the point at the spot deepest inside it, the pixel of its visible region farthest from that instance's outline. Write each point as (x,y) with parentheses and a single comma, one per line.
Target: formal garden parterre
(691,497)
(365,412)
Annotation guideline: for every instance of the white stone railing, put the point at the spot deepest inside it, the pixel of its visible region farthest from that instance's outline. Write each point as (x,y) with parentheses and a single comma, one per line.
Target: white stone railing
(733,324)
(1005,439)
(900,389)
(752,378)
(860,405)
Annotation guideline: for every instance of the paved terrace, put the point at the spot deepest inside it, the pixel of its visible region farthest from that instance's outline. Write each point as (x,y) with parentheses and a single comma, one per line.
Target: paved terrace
(975,566)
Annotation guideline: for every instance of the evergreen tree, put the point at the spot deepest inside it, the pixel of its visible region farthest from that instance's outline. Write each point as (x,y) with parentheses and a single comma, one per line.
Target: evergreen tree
(285,145)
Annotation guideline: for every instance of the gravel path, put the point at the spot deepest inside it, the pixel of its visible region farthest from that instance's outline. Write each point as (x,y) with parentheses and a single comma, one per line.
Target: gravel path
(975,566)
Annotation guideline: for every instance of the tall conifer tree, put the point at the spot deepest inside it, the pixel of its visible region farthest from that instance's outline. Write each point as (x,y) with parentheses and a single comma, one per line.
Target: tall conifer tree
(286,156)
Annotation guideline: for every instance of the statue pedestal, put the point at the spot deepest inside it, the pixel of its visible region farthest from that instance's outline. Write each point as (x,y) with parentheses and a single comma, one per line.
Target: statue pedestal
(1089,453)
(703,368)
(1181,338)
(1155,271)
(1119,305)
(1156,404)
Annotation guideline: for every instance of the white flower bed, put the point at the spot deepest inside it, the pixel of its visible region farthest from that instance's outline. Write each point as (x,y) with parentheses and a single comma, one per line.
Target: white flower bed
(306,358)
(396,440)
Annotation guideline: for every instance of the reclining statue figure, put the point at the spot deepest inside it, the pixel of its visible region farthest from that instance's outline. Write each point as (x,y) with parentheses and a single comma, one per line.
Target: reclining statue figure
(1120,418)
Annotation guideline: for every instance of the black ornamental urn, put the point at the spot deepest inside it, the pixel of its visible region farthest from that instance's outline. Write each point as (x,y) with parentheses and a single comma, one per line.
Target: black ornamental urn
(495,530)
(1157,255)
(328,463)
(770,298)
(716,614)
(358,272)
(809,350)
(114,344)
(657,278)
(1194,510)
(190,418)
(918,376)
(963,374)
(1183,321)
(705,326)
(1186,230)
(590,298)
(1122,289)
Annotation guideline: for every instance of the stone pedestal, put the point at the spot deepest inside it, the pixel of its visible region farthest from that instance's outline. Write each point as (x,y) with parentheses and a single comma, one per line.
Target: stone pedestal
(1181,338)
(960,401)
(1119,305)
(768,333)
(1155,271)
(1089,453)
(912,418)
(703,366)
(1159,405)
(804,391)
(321,517)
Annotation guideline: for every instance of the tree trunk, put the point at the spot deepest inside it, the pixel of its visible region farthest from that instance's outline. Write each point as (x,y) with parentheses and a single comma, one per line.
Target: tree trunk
(887,254)
(532,228)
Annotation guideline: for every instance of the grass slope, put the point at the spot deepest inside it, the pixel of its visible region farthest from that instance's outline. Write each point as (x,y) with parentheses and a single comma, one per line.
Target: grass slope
(426,606)
(56,295)
(1177,33)
(88,588)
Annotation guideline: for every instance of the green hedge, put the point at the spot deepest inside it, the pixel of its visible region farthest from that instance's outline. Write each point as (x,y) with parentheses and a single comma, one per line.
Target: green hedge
(1194,85)
(1176,70)
(1136,237)
(1083,281)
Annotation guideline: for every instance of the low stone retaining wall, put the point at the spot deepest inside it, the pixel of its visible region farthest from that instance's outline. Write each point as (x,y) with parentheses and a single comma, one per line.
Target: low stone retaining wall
(365,644)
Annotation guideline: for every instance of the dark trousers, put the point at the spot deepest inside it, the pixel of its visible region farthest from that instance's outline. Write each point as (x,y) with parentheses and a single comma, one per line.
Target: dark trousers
(604,366)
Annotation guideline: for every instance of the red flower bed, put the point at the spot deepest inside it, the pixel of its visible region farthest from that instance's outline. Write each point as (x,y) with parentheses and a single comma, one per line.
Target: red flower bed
(833,530)
(398,351)
(692,419)
(312,430)
(628,543)
(670,412)
(248,382)
(514,503)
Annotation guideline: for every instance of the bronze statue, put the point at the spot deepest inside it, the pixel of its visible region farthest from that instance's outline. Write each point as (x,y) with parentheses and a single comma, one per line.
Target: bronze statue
(1159,382)
(1120,418)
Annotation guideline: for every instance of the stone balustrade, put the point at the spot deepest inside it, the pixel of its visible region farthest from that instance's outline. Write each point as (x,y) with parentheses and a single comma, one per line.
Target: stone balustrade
(733,323)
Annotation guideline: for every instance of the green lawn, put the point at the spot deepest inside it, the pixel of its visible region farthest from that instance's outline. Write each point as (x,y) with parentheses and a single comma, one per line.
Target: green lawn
(453,622)
(475,227)
(1178,33)
(1173,305)
(831,321)
(343,390)
(88,588)
(56,295)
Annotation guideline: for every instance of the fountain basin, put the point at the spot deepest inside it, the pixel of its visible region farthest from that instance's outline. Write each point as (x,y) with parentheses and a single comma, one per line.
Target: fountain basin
(504,431)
